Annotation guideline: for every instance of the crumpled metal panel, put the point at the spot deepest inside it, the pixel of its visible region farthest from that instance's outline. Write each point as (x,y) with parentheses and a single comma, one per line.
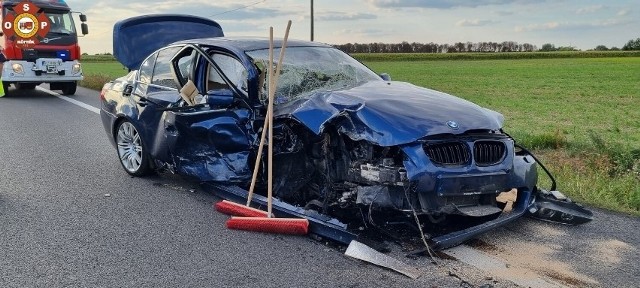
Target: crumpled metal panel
(389,113)
(211,146)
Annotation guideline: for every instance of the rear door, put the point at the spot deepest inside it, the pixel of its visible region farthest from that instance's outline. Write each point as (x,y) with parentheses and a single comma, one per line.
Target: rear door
(155,89)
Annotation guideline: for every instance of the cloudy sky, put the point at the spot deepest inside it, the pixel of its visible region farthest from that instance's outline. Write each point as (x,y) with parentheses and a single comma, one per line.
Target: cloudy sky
(583,24)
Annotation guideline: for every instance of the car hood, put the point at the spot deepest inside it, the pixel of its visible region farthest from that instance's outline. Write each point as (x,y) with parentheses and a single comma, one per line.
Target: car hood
(389,113)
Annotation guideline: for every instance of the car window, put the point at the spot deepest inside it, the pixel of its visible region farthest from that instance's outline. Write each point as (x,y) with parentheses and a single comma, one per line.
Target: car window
(162,75)
(144,78)
(183,62)
(232,68)
(146,69)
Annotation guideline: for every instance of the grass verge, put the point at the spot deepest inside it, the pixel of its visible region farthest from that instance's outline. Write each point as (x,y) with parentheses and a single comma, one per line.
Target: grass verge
(97,73)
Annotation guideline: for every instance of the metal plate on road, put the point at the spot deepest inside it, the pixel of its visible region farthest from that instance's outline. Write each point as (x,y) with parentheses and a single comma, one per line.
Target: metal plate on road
(365,253)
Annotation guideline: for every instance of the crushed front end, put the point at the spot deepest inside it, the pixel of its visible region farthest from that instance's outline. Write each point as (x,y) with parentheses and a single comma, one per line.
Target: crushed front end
(452,186)
(452,183)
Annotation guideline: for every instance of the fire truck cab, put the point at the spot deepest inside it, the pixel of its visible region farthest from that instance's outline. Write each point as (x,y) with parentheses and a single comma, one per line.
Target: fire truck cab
(54,59)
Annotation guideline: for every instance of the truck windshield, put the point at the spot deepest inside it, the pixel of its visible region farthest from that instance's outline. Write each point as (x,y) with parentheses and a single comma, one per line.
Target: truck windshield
(61,23)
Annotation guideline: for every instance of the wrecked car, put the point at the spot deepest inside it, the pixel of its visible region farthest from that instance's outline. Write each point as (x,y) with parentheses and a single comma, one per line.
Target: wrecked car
(352,149)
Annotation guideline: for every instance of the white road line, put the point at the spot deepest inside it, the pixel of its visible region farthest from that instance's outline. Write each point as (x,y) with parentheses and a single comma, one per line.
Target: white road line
(519,276)
(72,101)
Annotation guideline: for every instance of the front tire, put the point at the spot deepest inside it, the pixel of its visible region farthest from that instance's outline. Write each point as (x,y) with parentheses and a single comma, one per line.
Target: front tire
(69,88)
(132,152)
(25,86)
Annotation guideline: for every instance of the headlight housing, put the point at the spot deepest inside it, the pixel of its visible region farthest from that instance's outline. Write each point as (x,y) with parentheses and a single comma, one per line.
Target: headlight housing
(17,68)
(76,68)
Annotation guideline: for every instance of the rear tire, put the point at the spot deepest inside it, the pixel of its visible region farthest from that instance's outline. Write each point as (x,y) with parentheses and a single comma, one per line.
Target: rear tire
(132,152)
(69,88)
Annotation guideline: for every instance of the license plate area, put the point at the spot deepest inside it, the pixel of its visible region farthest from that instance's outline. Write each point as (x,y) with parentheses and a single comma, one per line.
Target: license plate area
(471,185)
(51,67)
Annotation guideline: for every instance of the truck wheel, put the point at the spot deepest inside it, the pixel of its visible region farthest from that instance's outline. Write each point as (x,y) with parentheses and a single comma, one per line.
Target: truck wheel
(25,86)
(69,88)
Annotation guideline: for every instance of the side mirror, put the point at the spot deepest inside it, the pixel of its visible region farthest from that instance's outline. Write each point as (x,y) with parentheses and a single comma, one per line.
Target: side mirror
(83,18)
(1,33)
(220,97)
(128,89)
(385,77)
(85,28)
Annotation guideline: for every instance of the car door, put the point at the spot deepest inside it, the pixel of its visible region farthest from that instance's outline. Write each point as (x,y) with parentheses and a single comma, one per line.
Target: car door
(155,89)
(212,142)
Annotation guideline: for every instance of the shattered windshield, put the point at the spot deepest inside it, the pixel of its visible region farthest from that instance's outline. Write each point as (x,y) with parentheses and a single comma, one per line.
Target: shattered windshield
(309,69)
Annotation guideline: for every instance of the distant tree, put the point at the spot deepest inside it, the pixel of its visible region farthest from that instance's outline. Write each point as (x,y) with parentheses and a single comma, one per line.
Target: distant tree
(548,47)
(632,45)
(567,48)
(614,48)
(85,54)
(601,48)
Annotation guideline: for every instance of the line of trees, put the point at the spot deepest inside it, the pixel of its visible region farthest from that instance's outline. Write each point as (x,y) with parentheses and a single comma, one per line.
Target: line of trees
(459,47)
(406,47)
(632,45)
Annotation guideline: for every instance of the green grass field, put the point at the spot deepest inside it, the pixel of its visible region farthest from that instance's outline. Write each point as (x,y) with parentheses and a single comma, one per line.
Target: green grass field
(542,96)
(99,72)
(581,115)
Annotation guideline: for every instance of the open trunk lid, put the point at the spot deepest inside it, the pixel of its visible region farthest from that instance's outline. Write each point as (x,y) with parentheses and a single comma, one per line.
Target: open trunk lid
(137,37)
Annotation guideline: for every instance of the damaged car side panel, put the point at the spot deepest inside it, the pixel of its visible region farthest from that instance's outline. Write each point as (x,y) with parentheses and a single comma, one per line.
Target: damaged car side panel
(212,145)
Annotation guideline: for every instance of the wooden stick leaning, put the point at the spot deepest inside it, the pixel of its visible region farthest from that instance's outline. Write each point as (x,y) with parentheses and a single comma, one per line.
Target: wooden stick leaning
(273,79)
(272,93)
(266,120)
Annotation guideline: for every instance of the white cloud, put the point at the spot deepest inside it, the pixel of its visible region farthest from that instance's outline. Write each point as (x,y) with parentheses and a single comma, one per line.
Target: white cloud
(546,26)
(571,25)
(443,4)
(365,32)
(590,9)
(504,13)
(624,12)
(473,23)
(341,16)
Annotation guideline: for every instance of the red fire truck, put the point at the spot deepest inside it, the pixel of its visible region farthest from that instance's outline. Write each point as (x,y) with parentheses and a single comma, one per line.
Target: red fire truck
(48,55)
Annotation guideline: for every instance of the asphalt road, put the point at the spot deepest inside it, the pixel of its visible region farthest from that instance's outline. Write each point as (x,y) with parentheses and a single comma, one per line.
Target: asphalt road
(71,217)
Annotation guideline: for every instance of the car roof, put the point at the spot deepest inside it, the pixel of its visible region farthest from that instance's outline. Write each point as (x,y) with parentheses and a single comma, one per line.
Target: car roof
(249,43)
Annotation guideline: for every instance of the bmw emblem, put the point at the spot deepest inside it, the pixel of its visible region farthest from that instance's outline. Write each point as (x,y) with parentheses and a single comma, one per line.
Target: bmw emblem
(453,125)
